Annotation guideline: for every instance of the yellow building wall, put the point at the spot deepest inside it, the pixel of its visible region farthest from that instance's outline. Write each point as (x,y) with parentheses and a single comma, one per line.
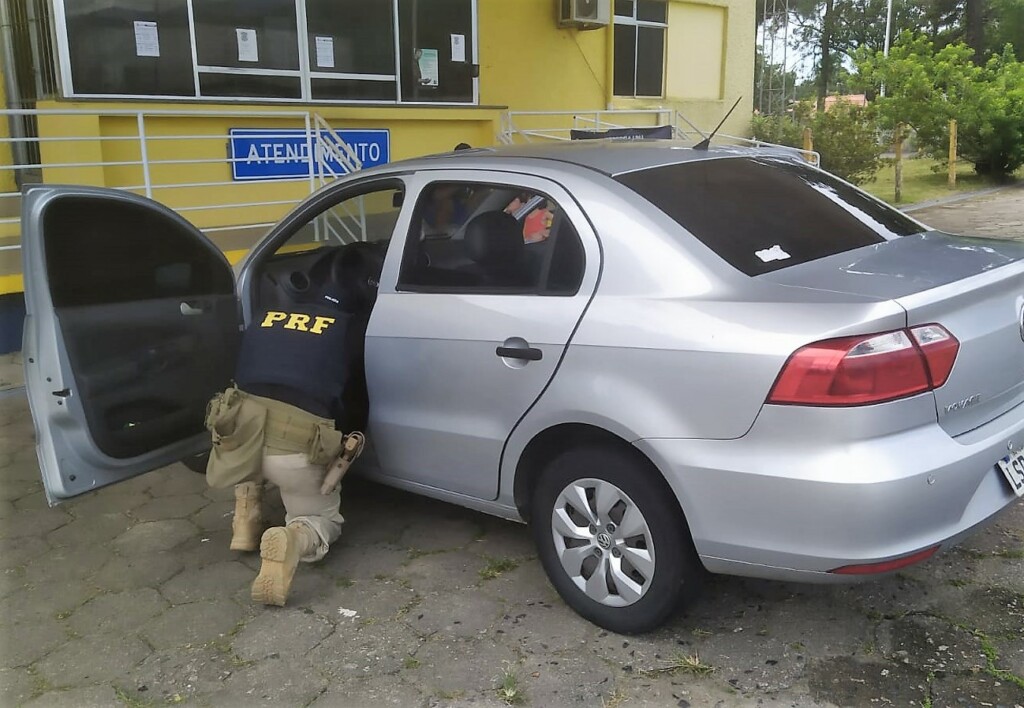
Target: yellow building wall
(716,28)
(694,64)
(7,182)
(527,63)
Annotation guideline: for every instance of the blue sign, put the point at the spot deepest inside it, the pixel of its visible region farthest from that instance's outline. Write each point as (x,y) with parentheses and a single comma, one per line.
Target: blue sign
(268,154)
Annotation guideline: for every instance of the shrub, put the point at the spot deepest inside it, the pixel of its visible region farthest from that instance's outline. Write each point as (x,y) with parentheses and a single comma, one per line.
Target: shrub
(845,136)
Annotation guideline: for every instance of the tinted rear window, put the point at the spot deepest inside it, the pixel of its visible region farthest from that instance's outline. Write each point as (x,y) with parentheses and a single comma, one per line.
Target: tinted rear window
(762,214)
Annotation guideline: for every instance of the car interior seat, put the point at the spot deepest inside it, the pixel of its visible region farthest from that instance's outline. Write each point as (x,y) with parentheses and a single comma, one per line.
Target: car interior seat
(494,243)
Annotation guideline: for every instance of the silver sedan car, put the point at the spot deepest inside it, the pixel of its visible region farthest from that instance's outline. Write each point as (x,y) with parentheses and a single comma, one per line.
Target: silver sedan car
(667,360)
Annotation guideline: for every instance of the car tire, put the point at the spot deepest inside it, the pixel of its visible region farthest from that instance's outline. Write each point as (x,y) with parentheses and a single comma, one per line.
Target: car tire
(650,558)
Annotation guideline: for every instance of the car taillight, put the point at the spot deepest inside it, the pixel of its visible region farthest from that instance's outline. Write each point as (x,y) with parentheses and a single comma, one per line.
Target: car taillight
(873,368)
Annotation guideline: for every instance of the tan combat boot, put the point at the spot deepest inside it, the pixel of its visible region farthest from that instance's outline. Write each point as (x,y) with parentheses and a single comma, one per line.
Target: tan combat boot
(281,549)
(247,525)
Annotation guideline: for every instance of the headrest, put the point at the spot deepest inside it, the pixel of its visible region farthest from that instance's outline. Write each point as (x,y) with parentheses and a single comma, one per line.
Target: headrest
(493,239)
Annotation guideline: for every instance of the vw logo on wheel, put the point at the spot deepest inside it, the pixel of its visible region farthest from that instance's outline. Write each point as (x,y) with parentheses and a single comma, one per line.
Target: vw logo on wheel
(604,540)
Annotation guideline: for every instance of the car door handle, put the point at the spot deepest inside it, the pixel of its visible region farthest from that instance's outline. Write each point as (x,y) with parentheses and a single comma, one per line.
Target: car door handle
(528,353)
(188,308)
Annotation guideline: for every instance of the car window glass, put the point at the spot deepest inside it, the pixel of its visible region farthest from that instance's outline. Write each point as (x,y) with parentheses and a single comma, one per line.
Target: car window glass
(763,214)
(369,217)
(490,238)
(95,258)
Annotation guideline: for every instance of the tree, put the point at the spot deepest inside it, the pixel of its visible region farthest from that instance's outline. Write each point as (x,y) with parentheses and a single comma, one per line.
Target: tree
(925,88)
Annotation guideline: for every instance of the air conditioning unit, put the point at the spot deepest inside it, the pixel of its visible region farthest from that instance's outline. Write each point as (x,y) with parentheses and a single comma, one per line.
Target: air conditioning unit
(584,14)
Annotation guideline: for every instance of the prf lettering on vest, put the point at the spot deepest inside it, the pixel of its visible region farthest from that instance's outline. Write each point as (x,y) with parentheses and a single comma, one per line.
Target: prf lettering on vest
(297,321)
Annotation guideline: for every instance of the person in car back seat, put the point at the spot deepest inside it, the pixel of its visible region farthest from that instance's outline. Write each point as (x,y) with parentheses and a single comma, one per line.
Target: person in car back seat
(296,373)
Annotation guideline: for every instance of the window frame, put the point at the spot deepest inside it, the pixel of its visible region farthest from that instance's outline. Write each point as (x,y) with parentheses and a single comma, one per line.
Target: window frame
(632,21)
(305,73)
(541,289)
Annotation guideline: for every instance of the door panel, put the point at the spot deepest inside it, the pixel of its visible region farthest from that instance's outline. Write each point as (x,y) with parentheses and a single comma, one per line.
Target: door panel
(443,401)
(132,324)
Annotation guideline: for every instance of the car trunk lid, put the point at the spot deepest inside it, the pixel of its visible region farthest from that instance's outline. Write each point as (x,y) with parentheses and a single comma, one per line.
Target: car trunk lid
(973,287)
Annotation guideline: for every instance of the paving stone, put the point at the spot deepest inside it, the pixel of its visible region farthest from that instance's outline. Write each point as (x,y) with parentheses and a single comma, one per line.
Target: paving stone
(371,600)
(11,580)
(285,631)
(177,480)
(210,582)
(465,614)
(437,535)
(372,691)
(35,500)
(568,680)
(930,644)
(846,681)
(16,686)
(22,466)
(360,651)
(148,570)
(182,676)
(6,509)
(541,627)
(58,565)
(215,516)
(91,696)
(27,641)
(170,507)
(19,551)
(193,624)
(364,561)
(94,659)
(272,682)
(32,522)
(154,536)
(119,612)
(503,539)
(459,668)
(976,690)
(220,494)
(98,529)
(12,489)
(46,600)
(213,546)
(110,500)
(436,572)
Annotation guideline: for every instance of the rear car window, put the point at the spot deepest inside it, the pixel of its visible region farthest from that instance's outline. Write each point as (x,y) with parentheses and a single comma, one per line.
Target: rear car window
(764,214)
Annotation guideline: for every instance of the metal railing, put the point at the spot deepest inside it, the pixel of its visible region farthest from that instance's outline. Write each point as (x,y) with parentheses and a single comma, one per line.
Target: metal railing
(519,127)
(181,158)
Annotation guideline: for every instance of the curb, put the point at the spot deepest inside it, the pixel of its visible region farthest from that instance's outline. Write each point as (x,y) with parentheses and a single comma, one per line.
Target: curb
(959,197)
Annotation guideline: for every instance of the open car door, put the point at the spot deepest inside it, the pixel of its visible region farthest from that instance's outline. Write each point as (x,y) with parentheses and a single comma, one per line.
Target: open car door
(132,325)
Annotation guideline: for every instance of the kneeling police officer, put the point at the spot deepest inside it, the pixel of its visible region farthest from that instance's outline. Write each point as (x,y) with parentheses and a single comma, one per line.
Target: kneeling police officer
(300,387)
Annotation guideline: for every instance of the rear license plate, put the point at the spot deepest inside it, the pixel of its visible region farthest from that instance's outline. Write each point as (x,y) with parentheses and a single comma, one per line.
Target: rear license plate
(1013,467)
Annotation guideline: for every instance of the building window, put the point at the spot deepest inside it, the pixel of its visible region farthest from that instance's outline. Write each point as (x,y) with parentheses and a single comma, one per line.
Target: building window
(640,27)
(380,51)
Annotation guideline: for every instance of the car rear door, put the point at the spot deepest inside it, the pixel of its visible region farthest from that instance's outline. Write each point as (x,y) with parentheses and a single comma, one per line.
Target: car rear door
(458,349)
(132,324)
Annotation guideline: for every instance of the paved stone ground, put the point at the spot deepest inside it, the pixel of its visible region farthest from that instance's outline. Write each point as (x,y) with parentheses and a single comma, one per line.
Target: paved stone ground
(999,215)
(130,597)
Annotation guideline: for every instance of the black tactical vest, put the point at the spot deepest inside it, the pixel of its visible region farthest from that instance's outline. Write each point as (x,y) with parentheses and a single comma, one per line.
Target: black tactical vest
(307,350)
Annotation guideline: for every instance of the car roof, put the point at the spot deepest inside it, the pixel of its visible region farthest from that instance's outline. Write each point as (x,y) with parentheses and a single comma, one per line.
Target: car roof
(608,156)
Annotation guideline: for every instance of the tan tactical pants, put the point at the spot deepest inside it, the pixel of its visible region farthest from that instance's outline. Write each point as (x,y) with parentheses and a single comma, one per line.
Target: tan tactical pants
(299,482)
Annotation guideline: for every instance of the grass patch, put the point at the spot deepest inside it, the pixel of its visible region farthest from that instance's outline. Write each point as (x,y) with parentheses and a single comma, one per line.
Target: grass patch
(410,662)
(508,688)
(922,183)
(129,700)
(344,582)
(496,566)
(681,664)
(614,699)
(991,657)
